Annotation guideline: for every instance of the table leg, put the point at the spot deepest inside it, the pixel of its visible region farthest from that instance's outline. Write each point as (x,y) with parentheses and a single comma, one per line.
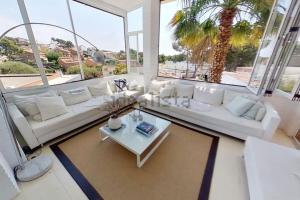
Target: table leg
(140,162)
(102,136)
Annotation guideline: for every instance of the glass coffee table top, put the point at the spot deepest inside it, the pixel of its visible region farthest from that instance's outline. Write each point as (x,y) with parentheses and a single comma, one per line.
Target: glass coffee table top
(134,141)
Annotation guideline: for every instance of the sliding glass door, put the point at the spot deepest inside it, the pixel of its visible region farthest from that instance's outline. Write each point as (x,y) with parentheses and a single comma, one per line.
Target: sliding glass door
(270,45)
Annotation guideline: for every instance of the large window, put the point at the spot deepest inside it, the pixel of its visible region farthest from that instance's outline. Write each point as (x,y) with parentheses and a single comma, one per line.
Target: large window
(264,63)
(189,41)
(57,52)
(18,68)
(105,31)
(135,39)
(56,46)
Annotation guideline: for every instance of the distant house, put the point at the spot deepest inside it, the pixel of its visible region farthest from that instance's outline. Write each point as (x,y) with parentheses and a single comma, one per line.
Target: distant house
(90,62)
(67,62)
(28,56)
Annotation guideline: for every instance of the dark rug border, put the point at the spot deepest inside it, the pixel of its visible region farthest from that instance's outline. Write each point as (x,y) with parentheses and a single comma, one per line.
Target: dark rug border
(93,194)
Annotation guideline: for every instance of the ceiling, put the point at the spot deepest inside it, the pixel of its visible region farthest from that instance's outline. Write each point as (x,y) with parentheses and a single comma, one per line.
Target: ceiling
(127,5)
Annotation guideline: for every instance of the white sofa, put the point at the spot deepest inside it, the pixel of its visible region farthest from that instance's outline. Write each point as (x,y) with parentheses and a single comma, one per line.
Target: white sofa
(273,171)
(37,132)
(214,117)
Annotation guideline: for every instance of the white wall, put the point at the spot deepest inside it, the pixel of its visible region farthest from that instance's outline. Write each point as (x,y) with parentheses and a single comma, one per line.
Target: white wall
(289,112)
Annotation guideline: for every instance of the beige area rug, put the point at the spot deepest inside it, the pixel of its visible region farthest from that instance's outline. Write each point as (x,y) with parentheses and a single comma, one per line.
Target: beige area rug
(181,168)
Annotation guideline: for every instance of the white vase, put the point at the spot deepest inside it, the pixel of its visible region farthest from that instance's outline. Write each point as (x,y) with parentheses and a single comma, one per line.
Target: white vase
(114,123)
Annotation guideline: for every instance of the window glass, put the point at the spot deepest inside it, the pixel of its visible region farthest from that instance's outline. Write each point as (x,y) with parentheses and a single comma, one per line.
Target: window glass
(56,46)
(104,32)
(268,44)
(186,50)
(18,68)
(291,73)
(135,20)
(136,52)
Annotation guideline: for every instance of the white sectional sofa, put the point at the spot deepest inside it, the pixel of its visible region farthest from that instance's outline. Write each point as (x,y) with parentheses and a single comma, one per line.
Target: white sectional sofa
(205,105)
(273,171)
(37,131)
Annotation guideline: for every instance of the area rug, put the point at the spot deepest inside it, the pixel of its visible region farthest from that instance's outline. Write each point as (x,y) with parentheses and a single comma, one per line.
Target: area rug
(181,168)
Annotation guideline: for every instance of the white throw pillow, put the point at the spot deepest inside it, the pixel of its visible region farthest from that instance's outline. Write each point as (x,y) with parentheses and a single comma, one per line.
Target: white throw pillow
(183,90)
(260,114)
(209,95)
(27,103)
(156,85)
(111,87)
(51,107)
(98,90)
(76,96)
(133,85)
(239,105)
(229,95)
(167,91)
(252,112)
(37,117)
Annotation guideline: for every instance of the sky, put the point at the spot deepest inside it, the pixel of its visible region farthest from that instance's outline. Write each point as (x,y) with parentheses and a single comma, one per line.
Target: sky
(104,30)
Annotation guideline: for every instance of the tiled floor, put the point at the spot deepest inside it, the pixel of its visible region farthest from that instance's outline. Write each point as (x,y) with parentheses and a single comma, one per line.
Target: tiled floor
(229,181)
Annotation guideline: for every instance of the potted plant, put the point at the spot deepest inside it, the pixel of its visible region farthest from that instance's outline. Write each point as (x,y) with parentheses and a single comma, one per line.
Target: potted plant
(114,121)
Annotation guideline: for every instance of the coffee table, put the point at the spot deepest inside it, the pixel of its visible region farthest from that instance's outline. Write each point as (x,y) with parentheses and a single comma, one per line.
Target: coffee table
(142,146)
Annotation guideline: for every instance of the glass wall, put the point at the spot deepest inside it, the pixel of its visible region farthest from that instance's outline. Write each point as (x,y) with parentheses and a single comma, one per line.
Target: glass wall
(187,45)
(18,68)
(100,35)
(263,60)
(56,46)
(291,74)
(135,37)
(105,31)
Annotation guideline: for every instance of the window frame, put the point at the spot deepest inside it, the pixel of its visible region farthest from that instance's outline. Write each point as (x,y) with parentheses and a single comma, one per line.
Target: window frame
(29,31)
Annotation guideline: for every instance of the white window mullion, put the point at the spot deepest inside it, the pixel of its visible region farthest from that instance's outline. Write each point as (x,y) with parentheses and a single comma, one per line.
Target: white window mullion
(32,41)
(75,40)
(127,48)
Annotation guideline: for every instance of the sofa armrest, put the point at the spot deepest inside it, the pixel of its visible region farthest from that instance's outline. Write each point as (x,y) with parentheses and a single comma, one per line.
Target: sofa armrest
(270,122)
(23,126)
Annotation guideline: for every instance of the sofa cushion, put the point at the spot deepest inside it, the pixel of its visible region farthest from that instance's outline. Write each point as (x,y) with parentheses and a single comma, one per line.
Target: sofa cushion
(184,90)
(132,85)
(261,113)
(252,112)
(209,95)
(155,86)
(27,103)
(219,116)
(76,113)
(51,107)
(76,96)
(239,105)
(98,90)
(229,95)
(272,169)
(167,91)
(111,87)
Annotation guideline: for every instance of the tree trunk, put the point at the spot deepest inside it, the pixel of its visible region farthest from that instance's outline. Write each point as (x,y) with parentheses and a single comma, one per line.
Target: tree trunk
(222,46)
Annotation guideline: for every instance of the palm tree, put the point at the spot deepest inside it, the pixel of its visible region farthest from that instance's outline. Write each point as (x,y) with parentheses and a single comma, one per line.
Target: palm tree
(212,26)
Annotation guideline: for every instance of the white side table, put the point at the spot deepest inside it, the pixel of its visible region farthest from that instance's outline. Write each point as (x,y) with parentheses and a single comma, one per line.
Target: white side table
(8,185)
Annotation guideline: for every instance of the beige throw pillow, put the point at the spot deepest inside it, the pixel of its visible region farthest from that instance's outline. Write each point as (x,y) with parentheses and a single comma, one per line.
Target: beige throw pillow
(51,107)
(76,96)
(27,103)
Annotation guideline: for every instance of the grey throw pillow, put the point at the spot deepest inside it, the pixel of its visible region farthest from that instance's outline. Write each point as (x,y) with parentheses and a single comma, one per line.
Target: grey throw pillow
(252,112)
(239,105)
